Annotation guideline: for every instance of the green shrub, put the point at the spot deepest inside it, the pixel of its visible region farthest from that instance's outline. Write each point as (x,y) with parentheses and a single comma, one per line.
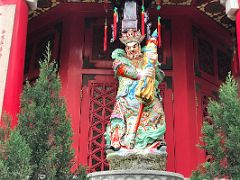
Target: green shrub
(222,137)
(45,124)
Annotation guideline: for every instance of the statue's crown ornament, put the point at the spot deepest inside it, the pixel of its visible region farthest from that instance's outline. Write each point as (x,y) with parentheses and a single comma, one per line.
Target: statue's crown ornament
(131,36)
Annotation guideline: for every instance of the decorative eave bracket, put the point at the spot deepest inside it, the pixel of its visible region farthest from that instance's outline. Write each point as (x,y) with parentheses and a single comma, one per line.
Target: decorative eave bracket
(32,4)
(231,7)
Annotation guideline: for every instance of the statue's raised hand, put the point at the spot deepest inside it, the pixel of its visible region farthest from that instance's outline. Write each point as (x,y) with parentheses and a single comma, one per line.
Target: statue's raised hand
(148,72)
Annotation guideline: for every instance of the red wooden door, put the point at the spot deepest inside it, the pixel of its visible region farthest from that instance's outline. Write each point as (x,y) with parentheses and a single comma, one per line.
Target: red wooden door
(166,91)
(212,61)
(98,97)
(205,91)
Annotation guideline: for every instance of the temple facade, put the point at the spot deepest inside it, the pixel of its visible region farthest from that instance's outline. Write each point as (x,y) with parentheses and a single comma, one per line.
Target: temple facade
(198,50)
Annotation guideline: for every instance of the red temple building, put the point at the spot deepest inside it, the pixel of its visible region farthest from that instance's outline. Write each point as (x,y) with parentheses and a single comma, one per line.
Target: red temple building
(198,49)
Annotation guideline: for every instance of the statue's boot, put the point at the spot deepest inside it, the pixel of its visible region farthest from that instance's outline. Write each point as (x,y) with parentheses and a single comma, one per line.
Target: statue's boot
(162,146)
(115,140)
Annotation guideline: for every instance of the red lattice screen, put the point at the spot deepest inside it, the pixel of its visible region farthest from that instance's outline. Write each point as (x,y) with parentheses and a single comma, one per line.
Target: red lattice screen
(206,117)
(102,99)
(204,101)
(205,56)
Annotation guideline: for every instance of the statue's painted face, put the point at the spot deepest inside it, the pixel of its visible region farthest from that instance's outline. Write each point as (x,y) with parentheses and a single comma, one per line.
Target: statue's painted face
(133,50)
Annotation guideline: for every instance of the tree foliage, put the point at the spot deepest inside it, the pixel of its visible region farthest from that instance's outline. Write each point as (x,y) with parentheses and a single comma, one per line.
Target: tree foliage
(222,137)
(15,153)
(45,125)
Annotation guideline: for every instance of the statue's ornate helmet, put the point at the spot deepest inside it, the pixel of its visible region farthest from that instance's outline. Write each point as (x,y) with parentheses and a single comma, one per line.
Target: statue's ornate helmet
(132,36)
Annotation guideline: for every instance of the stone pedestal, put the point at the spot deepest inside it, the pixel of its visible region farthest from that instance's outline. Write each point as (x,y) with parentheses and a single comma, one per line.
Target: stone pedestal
(134,175)
(138,161)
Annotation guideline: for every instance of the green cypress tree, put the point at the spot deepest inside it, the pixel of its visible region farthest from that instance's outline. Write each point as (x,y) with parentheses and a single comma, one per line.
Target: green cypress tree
(222,137)
(45,125)
(15,154)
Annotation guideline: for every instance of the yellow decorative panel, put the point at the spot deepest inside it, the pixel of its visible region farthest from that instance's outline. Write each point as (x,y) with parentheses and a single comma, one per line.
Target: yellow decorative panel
(216,11)
(177,2)
(40,11)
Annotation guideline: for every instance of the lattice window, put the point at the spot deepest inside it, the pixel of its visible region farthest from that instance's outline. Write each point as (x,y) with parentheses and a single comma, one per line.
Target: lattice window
(36,46)
(97,48)
(205,100)
(101,105)
(94,36)
(205,57)
(207,118)
(224,64)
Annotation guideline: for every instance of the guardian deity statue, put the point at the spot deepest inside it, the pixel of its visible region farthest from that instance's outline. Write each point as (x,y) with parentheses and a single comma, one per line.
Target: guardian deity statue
(137,123)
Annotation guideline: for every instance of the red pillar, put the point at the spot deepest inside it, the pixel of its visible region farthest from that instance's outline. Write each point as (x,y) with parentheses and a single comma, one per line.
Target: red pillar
(236,60)
(184,96)
(70,73)
(14,80)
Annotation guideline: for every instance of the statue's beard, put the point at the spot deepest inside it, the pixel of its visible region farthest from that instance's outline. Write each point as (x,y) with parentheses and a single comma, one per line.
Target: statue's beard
(133,55)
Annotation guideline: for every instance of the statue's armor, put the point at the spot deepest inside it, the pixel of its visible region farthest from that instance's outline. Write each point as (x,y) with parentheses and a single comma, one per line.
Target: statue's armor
(126,110)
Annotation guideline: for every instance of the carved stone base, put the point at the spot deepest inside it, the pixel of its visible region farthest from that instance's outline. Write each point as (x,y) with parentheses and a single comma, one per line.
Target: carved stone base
(138,161)
(135,175)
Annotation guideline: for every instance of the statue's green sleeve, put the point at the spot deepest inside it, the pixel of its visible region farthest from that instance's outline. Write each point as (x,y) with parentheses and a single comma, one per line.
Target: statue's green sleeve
(122,66)
(159,73)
